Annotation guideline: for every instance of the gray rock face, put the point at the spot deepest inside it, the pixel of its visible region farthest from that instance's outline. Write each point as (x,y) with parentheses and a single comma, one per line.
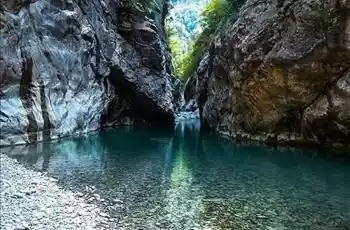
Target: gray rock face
(280,73)
(70,66)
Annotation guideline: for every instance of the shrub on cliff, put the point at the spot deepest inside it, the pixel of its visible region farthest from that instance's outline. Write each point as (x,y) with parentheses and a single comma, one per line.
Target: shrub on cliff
(214,15)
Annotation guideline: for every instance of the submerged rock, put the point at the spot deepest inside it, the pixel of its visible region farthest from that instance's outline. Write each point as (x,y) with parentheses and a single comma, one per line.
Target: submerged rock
(280,73)
(73,66)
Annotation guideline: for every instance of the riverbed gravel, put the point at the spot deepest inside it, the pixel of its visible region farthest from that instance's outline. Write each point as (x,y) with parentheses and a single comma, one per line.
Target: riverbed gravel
(32,200)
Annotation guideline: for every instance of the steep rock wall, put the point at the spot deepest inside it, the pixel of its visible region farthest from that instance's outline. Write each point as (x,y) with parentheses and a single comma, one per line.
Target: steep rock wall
(280,73)
(70,66)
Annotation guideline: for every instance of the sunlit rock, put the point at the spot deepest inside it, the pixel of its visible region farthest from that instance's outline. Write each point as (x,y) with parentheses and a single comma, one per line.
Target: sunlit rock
(281,70)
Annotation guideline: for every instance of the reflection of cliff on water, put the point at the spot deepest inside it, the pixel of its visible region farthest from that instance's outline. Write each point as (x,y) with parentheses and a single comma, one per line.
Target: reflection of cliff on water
(183,178)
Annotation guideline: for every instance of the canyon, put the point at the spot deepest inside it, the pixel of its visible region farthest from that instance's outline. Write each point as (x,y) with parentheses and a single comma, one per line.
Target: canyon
(278,72)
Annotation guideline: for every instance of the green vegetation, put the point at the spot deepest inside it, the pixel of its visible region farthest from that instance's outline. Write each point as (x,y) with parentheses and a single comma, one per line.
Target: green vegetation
(175,47)
(214,15)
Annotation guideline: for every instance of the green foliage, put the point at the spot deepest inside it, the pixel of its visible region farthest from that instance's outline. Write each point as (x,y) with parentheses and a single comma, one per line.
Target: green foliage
(176,50)
(214,15)
(192,57)
(215,12)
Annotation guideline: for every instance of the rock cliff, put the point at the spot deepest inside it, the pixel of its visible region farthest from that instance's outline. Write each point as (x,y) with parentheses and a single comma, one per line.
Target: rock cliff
(70,66)
(280,73)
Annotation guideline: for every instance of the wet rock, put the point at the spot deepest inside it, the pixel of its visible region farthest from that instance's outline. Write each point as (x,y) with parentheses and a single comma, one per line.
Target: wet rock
(187,115)
(75,66)
(23,227)
(191,106)
(17,195)
(279,74)
(53,180)
(118,201)
(98,197)
(79,194)
(261,217)
(90,189)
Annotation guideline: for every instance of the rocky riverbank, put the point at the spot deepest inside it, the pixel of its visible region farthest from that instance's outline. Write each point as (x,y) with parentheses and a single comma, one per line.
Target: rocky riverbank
(32,200)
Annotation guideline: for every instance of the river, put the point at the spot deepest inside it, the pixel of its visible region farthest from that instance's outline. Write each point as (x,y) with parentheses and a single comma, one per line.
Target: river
(148,178)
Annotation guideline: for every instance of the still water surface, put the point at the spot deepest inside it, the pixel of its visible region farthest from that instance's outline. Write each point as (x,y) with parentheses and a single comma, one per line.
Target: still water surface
(154,179)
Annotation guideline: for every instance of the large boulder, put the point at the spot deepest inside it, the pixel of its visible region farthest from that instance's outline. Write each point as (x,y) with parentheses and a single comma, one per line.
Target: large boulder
(280,73)
(70,66)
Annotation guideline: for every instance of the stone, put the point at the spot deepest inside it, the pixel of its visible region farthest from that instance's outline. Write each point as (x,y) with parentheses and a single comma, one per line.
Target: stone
(261,217)
(103,214)
(261,78)
(70,209)
(38,215)
(35,182)
(82,65)
(78,221)
(79,194)
(98,197)
(82,213)
(53,179)
(30,192)
(22,227)
(17,195)
(116,200)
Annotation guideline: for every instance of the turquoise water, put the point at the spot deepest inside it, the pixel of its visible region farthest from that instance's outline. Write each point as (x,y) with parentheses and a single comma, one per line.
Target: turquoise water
(156,179)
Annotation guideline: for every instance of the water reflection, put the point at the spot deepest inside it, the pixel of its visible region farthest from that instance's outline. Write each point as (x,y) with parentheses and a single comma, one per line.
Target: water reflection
(184,198)
(184,179)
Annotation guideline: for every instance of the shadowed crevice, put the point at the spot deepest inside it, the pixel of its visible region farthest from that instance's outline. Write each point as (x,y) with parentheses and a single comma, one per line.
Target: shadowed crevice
(143,108)
(25,95)
(44,113)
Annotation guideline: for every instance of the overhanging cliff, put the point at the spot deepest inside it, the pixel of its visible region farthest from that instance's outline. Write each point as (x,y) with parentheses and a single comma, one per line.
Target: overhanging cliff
(70,66)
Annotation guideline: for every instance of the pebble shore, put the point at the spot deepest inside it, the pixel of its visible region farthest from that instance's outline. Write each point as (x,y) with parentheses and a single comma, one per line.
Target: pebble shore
(32,200)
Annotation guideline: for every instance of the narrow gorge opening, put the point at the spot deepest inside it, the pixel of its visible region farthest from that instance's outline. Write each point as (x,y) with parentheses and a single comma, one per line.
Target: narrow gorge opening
(191,25)
(245,124)
(183,26)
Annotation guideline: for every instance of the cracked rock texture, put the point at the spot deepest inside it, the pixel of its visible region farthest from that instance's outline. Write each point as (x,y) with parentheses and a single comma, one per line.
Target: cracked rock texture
(280,73)
(70,66)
